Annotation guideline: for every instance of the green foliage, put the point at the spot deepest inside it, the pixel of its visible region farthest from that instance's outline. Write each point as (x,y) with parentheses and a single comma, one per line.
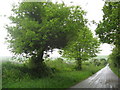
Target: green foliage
(115,69)
(17,72)
(43,26)
(60,65)
(12,72)
(96,62)
(14,77)
(84,47)
(59,80)
(50,28)
(115,57)
(99,62)
(91,67)
(108,29)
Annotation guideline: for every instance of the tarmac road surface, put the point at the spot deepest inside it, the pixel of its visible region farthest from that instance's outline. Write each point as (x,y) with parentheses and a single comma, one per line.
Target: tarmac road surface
(104,78)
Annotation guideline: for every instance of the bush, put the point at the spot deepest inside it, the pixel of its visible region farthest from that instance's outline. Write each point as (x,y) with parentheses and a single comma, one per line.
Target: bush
(60,65)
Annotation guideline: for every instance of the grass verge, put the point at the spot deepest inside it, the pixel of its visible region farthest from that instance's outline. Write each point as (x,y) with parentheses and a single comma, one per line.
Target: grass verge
(115,70)
(64,76)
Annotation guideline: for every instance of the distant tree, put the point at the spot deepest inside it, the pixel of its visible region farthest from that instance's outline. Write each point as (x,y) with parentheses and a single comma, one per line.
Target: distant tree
(83,48)
(39,27)
(103,59)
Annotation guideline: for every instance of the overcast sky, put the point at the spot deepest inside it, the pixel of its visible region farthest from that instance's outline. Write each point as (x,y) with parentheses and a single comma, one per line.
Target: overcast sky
(94,12)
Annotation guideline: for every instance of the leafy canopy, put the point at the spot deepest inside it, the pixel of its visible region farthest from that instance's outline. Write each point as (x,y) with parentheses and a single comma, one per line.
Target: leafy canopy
(42,26)
(108,29)
(84,47)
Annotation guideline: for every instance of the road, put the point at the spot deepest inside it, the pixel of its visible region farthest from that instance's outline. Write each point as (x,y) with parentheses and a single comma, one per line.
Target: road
(104,78)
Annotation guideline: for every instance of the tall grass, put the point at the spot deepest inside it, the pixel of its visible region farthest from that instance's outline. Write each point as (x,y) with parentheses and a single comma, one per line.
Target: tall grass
(64,76)
(116,70)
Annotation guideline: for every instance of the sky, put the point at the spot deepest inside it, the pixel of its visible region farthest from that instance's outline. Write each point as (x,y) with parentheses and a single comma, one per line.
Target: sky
(92,7)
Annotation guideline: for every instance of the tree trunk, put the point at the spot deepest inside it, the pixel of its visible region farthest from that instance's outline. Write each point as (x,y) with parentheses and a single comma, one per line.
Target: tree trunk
(37,61)
(79,63)
(38,67)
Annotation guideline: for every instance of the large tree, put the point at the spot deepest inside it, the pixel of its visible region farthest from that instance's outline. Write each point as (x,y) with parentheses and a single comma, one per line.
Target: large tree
(108,29)
(43,26)
(84,47)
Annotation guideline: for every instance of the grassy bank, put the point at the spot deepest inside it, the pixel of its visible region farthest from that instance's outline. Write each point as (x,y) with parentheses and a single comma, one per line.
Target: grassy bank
(64,76)
(115,70)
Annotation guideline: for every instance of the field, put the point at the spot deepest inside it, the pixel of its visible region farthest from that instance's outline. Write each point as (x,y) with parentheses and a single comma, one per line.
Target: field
(101,57)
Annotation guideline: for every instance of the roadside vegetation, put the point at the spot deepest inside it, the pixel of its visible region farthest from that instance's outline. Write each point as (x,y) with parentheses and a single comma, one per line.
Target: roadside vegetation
(114,68)
(63,75)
